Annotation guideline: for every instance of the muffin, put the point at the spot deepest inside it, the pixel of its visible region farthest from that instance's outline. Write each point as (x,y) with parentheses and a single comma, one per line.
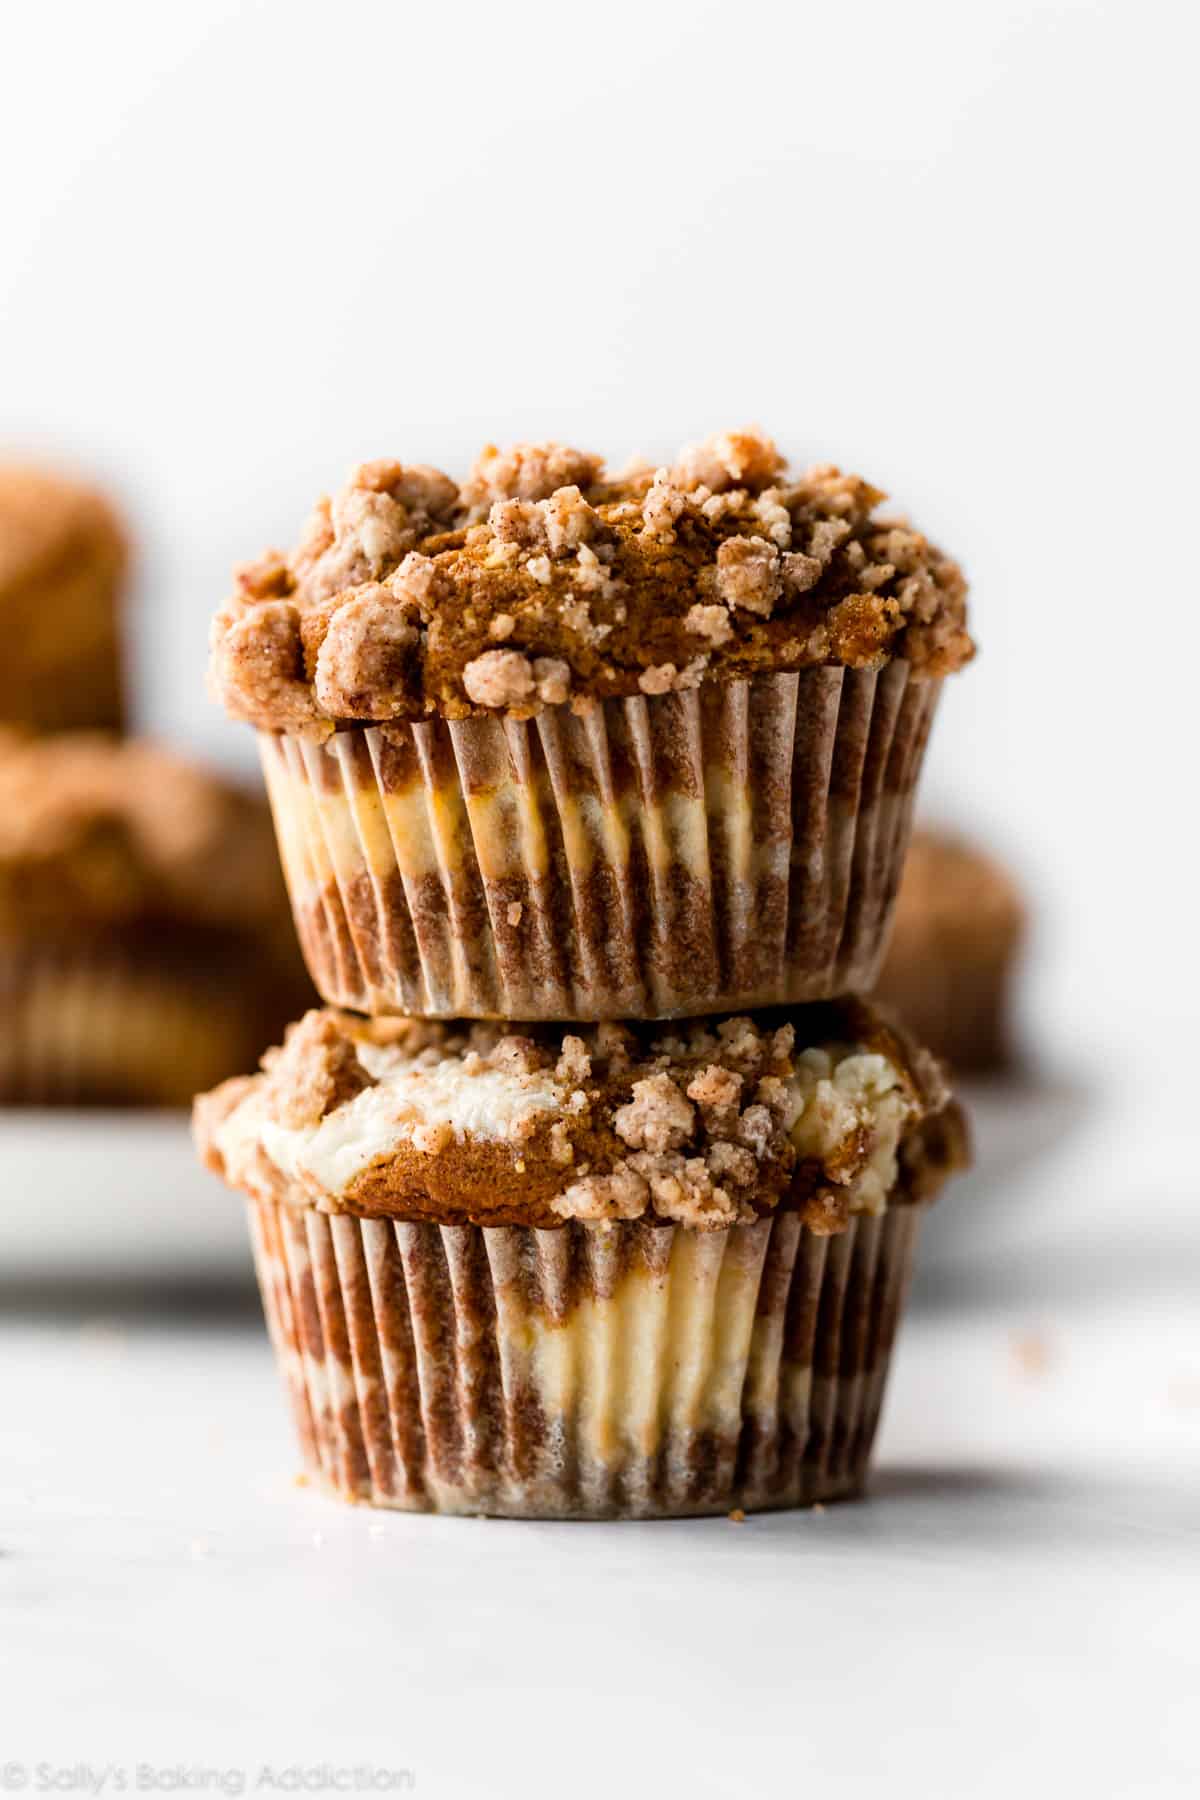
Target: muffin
(959,925)
(62,568)
(559,745)
(145,945)
(621,1272)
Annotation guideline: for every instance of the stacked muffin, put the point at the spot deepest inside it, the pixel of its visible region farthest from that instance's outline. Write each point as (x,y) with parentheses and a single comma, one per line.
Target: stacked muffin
(590,1193)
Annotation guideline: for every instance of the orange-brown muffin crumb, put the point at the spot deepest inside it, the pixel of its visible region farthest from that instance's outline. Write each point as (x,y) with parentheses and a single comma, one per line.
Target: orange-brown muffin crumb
(824,1110)
(543,581)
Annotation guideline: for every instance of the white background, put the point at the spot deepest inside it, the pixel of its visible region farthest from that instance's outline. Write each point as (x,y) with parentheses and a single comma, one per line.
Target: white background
(245,245)
(949,245)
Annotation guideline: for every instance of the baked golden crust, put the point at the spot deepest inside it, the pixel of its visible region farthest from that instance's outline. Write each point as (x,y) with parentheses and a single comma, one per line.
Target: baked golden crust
(63,559)
(98,833)
(824,1110)
(542,581)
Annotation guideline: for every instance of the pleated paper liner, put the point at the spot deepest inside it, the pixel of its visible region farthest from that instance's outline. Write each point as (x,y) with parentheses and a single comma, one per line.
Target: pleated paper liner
(118,1023)
(639,1371)
(710,850)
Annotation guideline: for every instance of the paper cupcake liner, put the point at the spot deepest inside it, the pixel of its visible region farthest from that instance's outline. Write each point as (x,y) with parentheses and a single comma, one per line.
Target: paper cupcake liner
(639,1371)
(710,850)
(113,1024)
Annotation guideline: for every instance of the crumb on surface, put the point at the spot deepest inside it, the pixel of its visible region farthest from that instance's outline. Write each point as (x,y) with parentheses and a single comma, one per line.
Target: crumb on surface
(1033,1353)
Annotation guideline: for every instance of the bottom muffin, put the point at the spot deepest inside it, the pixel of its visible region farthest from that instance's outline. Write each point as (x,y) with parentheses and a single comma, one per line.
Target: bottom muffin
(625,1272)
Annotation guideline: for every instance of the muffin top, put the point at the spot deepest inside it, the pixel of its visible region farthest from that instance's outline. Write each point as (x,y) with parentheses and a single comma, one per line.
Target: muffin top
(99,833)
(542,580)
(823,1110)
(50,528)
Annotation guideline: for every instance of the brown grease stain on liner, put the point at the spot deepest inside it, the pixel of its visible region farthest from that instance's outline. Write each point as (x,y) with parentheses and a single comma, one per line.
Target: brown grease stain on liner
(642,892)
(404,1352)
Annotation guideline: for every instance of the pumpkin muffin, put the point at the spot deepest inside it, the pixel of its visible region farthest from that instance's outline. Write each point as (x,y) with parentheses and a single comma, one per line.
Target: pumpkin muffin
(960,923)
(559,744)
(63,561)
(624,1271)
(145,945)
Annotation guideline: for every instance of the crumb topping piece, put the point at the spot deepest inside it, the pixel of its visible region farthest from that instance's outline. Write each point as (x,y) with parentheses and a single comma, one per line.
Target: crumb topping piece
(703,1124)
(405,588)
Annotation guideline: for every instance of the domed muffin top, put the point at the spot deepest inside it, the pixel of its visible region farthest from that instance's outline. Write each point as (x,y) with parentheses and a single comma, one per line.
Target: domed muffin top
(543,581)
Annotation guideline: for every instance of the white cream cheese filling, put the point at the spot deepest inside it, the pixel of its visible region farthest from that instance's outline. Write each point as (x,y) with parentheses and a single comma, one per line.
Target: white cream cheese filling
(832,1095)
(487,1105)
(838,1092)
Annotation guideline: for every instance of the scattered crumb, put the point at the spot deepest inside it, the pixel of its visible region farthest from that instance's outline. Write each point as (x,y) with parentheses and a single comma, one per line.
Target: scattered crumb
(515,909)
(103,1332)
(1032,1353)
(818,1506)
(300,1480)
(737,1516)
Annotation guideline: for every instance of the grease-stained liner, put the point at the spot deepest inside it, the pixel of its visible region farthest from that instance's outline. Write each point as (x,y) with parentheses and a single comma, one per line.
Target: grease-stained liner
(634,1371)
(731,846)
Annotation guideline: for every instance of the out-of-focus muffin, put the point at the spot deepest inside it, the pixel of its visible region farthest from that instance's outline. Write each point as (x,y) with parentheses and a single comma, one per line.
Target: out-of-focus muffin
(63,560)
(960,921)
(145,944)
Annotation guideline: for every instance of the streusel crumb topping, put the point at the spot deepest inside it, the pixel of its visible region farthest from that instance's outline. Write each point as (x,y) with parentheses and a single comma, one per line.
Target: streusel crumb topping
(543,581)
(704,1123)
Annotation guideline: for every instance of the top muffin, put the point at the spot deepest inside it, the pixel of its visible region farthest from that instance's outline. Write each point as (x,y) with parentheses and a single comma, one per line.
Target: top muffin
(543,580)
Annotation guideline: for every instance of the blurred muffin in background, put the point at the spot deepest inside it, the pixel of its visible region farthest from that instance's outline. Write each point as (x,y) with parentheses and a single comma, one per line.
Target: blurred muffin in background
(145,944)
(960,921)
(63,560)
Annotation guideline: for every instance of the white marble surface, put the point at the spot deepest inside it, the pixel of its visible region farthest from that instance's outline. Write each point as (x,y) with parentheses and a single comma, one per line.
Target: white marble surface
(1016,1608)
